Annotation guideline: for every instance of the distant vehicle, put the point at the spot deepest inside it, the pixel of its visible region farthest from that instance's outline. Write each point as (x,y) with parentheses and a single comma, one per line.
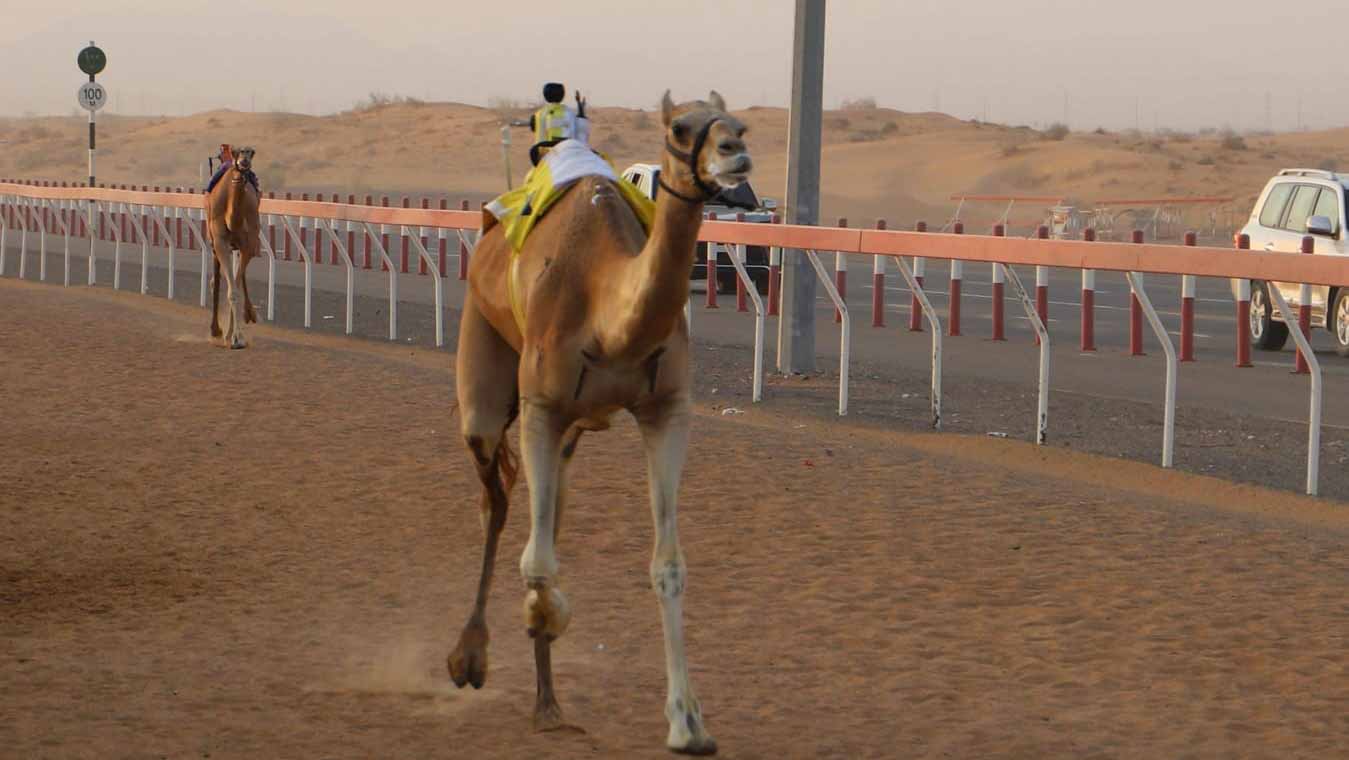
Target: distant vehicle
(726,206)
(1299,202)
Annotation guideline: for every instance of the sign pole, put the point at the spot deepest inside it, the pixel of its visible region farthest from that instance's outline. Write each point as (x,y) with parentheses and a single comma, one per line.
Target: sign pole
(91,141)
(91,97)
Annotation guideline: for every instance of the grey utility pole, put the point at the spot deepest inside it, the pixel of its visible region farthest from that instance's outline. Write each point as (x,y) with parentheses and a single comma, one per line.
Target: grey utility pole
(796,327)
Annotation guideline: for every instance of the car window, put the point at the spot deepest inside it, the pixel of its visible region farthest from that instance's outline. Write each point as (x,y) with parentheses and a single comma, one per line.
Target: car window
(1304,200)
(1272,213)
(1328,205)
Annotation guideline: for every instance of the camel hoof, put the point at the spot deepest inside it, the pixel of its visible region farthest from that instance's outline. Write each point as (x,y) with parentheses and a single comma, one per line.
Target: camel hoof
(704,745)
(548,717)
(238,343)
(687,735)
(215,331)
(251,315)
(468,662)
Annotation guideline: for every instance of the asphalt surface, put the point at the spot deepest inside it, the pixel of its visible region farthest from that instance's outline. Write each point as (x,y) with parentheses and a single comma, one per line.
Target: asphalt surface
(1266,391)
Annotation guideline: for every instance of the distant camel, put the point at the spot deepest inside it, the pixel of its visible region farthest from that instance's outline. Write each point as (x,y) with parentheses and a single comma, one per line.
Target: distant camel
(232,225)
(587,320)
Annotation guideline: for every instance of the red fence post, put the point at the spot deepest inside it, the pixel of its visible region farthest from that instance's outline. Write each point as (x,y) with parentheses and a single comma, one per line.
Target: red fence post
(304,231)
(711,269)
(318,235)
(741,302)
(444,253)
(421,262)
(178,225)
(953,297)
(351,234)
(878,285)
(841,275)
(1187,287)
(1304,311)
(999,289)
(1136,312)
(463,247)
(158,242)
(285,239)
(1244,311)
(774,275)
(384,236)
(403,244)
(1042,286)
(1089,299)
(916,308)
(369,239)
(271,229)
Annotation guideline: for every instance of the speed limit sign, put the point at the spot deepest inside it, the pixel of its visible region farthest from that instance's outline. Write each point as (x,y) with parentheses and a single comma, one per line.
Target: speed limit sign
(92,96)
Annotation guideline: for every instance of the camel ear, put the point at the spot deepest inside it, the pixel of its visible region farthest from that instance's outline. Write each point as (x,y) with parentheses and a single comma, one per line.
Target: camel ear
(715,100)
(666,109)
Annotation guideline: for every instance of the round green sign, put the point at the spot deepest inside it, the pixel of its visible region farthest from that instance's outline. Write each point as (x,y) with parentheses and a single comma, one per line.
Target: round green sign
(92,60)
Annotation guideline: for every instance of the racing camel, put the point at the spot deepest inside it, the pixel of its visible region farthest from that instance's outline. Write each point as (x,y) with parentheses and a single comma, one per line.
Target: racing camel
(601,328)
(232,225)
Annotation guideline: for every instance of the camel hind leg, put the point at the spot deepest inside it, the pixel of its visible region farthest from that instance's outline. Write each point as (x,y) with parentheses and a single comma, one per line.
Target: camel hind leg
(251,250)
(485,385)
(215,296)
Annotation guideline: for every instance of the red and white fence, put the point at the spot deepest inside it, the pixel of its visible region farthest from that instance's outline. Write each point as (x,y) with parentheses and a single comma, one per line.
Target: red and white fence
(127,217)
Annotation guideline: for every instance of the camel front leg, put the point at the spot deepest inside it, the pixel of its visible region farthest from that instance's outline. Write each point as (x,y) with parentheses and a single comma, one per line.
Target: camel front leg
(234,331)
(665,435)
(546,610)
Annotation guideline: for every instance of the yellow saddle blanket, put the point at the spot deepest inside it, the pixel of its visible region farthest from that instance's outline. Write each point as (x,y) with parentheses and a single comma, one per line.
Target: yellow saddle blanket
(519,210)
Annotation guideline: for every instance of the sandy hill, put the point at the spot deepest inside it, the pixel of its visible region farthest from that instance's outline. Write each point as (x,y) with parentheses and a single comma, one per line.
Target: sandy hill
(877,162)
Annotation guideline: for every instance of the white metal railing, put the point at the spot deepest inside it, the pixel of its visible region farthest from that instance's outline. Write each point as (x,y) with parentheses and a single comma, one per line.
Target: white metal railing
(28,208)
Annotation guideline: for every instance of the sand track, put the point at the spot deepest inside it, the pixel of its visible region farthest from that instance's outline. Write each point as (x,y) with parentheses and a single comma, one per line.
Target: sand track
(268,553)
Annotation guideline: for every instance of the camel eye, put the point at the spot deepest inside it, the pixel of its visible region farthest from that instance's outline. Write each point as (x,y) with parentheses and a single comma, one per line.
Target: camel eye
(679,130)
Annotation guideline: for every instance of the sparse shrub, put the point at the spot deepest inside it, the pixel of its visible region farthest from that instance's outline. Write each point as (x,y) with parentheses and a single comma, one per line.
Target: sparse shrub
(890,128)
(1100,131)
(642,120)
(840,122)
(214,122)
(867,103)
(1329,165)
(1206,161)
(1268,156)
(1175,166)
(1010,149)
(1232,141)
(1056,131)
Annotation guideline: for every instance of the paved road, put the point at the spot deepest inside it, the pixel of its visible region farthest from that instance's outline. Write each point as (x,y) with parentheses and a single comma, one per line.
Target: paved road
(1268,390)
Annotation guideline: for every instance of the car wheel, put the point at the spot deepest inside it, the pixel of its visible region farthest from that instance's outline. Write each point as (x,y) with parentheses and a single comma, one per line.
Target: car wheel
(1339,326)
(726,278)
(1267,333)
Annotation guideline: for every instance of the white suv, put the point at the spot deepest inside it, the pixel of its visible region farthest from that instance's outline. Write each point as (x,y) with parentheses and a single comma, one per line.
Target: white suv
(1296,203)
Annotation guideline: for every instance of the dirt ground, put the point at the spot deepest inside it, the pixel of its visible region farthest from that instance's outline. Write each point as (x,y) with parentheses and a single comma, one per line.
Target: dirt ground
(268,553)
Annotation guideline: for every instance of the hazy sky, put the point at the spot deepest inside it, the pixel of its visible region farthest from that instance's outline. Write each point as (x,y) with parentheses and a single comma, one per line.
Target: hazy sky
(1169,63)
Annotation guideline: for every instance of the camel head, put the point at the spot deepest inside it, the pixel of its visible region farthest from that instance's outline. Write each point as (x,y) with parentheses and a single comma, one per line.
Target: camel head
(243,158)
(704,148)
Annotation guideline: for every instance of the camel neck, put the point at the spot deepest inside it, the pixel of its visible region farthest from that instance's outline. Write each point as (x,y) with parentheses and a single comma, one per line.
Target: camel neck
(657,285)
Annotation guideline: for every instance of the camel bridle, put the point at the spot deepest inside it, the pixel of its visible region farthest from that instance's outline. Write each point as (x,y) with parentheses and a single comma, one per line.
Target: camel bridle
(691,158)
